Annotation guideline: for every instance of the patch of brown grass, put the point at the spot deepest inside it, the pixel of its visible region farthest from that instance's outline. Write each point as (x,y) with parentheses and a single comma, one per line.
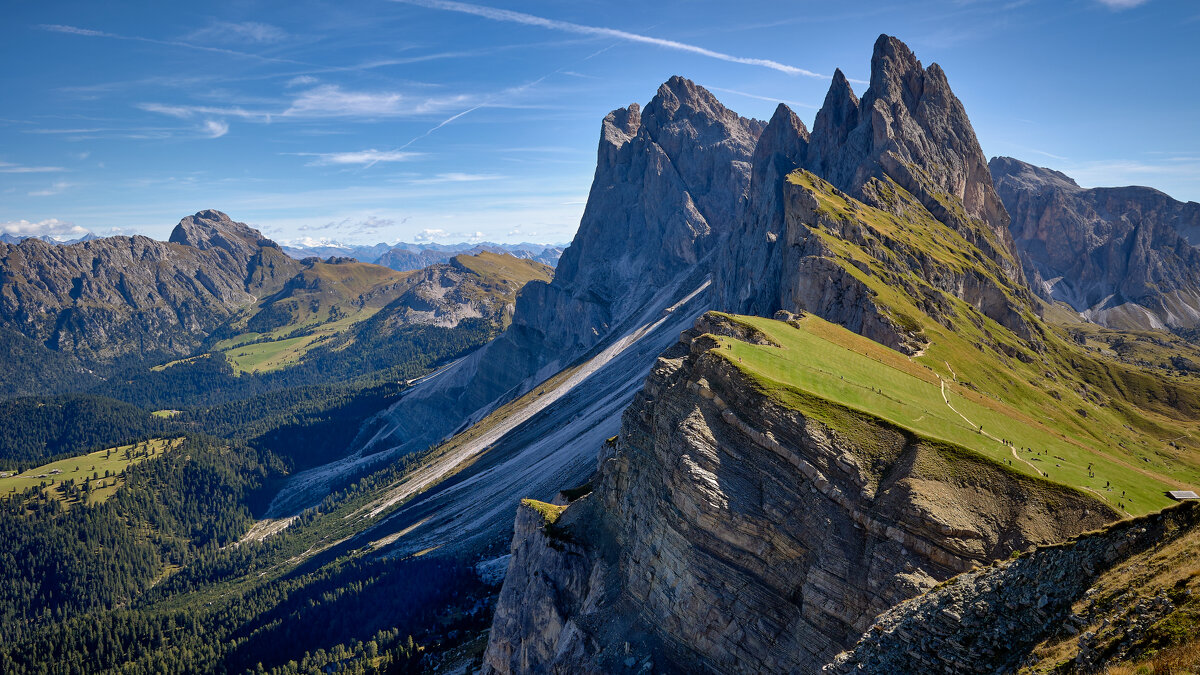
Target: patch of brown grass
(1183,659)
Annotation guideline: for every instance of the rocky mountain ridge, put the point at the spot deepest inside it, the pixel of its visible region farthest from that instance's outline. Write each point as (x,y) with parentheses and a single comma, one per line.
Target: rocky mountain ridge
(107,298)
(907,144)
(685,154)
(1122,257)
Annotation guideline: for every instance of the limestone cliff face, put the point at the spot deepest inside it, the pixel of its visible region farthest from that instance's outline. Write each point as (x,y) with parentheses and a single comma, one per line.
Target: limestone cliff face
(727,532)
(670,181)
(910,127)
(1123,257)
(908,131)
(107,298)
(754,259)
(1066,608)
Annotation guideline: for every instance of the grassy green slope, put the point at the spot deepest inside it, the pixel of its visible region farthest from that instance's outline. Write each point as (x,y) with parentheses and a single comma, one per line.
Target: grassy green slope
(1049,405)
(814,358)
(328,301)
(322,301)
(103,468)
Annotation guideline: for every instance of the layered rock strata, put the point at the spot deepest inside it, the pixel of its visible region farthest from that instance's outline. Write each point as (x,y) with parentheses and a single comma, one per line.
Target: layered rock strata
(670,181)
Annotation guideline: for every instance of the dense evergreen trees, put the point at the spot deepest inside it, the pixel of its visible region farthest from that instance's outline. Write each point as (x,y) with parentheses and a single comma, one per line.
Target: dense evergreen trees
(40,429)
(56,562)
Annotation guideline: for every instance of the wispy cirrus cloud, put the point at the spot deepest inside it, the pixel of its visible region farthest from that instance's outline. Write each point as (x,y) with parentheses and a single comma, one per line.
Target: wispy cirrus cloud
(189,111)
(243,31)
(55,188)
(331,100)
(6,167)
(455,177)
(510,16)
(771,99)
(88,32)
(358,157)
(1122,4)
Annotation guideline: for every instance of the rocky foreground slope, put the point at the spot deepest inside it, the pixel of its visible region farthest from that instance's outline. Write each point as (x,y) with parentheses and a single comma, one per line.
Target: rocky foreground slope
(1123,257)
(728,531)
(1111,596)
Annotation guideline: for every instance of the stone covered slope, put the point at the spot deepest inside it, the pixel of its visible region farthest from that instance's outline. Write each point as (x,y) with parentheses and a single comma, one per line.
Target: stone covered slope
(670,182)
(731,530)
(482,285)
(112,297)
(1123,257)
(1120,594)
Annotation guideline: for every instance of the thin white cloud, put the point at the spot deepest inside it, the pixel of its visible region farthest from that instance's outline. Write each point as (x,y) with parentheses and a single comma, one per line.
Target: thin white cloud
(6,167)
(430,235)
(301,81)
(735,92)
(51,227)
(54,189)
(581,29)
(215,128)
(329,100)
(359,157)
(439,125)
(88,32)
(245,31)
(457,178)
(188,111)
(1122,4)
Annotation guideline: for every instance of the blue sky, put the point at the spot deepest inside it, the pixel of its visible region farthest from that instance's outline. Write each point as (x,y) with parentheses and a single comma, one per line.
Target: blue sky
(378,120)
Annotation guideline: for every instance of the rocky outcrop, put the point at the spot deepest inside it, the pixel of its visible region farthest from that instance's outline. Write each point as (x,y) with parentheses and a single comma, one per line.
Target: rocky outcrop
(108,298)
(1123,257)
(1098,598)
(729,532)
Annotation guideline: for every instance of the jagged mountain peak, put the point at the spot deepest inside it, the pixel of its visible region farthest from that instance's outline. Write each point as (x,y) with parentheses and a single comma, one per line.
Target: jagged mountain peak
(785,134)
(682,108)
(910,127)
(621,125)
(838,115)
(214,229)
(896,73)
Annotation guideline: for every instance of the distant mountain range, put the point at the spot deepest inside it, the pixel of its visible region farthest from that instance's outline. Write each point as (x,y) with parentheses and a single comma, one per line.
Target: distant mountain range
(73,314)
(403,256)
(6,238)
(1123,257)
